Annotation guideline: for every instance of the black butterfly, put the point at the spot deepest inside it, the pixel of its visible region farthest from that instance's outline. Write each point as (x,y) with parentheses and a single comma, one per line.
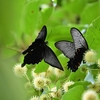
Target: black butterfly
(73,50)
(39,50)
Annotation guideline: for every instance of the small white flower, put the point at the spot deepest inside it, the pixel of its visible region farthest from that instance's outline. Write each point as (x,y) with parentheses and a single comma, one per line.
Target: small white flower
(56,93)
(98,62)
(90,56)
(95,87)
(67,84)
(58,72)
(50,71)
(20,71)
(90,95)
(38,83)
(45,97)
(47,81)
(34,98)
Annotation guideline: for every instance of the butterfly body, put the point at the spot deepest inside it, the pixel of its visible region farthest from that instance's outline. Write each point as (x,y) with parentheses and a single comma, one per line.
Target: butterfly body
(39,50)
(73,50)
(74,62)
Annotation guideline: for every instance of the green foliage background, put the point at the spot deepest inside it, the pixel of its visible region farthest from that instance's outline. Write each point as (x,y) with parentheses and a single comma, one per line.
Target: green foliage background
(20,22)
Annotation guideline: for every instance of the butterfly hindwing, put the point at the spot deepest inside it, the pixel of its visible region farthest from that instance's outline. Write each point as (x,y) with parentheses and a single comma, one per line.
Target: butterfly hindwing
(66,47)
(34,56)
(51,59)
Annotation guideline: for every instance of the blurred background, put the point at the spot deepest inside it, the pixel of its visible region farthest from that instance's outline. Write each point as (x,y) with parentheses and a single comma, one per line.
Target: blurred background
(20,22)
(11,87)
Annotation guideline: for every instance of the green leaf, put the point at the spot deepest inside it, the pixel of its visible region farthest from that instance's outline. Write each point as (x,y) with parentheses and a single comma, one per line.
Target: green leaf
(41,67)
(83,83)
(58,84)
(74,93)
(77,76)
(52,46)
(30,16)
(94,72)
(90,12)
(46,14)
(63,60)
(93,36)
(76,6)
(60,33)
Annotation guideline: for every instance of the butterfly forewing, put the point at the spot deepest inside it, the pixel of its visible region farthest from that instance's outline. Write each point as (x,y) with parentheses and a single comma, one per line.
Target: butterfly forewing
(51,59)
(41,37)
(78,38)
(66,47)
(42,34)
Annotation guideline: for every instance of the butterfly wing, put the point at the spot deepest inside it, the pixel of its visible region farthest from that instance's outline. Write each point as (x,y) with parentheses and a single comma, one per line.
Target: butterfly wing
(34,52)
(40,38)
(42,34)
(66,47)
(78,38)
(50,58)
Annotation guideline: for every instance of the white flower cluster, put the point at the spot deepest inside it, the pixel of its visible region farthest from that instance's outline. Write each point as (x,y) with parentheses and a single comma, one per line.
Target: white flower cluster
(20,71)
